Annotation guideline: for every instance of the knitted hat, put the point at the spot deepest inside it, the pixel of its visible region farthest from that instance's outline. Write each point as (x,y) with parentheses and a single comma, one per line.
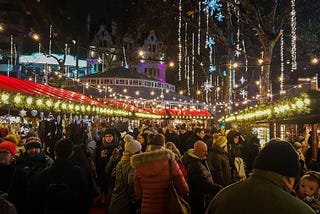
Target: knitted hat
(33,142)
(132,146)
(64,148)
(12,138)
(10,146)
(280,157)
(220,140)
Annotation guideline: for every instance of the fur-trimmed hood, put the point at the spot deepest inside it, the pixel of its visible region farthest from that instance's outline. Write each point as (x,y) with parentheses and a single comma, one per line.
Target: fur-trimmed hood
(159,154)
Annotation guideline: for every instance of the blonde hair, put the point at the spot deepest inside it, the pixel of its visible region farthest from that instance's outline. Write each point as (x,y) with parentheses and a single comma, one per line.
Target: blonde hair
(171,146)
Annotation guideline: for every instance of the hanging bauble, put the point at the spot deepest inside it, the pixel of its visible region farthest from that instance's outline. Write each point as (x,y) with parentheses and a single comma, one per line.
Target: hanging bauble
(59,119)
(41,115)
(34,112)
(23,113)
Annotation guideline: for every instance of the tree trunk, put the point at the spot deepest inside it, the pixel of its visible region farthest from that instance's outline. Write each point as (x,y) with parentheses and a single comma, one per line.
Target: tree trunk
(265,74)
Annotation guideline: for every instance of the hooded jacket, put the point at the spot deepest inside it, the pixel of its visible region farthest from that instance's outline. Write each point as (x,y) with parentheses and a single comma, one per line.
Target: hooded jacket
(152,179)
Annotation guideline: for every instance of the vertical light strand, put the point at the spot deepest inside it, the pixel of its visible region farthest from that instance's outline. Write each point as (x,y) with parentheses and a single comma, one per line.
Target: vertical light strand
(11,51)
(179,41)
(281,64)
(238,30)
(50,39)
(15,54)
(199,29)
(246,64)
(188,75)
(293,36)
(185,49)
(207,24)
(193,58)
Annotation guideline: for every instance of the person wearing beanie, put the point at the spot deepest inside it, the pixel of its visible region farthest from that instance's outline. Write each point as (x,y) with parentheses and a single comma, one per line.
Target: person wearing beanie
(34,160)
(269,186)
(151,178)
(218,160)
(108,148)
(200,180)
(13,180)
(123,199)
(62,187)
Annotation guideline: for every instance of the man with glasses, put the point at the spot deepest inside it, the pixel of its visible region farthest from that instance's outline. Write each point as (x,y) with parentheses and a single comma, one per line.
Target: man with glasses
(13,181)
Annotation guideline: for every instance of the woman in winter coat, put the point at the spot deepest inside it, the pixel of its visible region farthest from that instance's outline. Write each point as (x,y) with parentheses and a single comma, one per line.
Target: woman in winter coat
(123,197)
(152,176)
(218,161)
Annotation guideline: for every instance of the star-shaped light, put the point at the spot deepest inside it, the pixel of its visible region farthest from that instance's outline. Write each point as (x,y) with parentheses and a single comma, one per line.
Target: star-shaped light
(219,17)
(212,68)
(207,86)
(237,53)
(210,42)
(23,113)
(243,93)
(213,5)
(242,80)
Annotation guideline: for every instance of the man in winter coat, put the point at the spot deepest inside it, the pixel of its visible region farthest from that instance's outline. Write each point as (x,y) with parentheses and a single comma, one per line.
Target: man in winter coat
(34,160)
(267,190)
(200,181)
(61,188)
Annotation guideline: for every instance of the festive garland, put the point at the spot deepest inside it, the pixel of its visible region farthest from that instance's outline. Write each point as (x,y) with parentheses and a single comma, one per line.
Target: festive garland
(42,103)
(282,109)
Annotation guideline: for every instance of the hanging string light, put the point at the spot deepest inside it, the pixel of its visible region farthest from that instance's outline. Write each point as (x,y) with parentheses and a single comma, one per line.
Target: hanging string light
(281,64)
(293,37)
(192,62)
(199,29)
(179,41)
(185,49)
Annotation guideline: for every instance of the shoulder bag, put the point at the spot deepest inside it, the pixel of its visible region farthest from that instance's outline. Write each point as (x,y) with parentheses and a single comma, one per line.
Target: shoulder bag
(177,205)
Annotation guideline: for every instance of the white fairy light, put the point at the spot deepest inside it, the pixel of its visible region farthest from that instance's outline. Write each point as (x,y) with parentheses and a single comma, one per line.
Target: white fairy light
(293,36)
(192,62)
(199,29)
(179,41)
(185,49)
(281,63)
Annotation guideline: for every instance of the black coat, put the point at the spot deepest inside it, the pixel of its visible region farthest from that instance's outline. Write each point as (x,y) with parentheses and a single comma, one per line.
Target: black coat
(61,188)
(200,181)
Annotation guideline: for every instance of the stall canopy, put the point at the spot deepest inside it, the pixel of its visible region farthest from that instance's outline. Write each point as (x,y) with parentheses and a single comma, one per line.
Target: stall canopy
(15,85)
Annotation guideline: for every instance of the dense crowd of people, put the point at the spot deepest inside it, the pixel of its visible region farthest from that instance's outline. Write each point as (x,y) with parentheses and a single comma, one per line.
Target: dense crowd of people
(215,171)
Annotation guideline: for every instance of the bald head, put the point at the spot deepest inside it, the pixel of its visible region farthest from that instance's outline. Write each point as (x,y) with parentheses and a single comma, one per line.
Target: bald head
(200,149)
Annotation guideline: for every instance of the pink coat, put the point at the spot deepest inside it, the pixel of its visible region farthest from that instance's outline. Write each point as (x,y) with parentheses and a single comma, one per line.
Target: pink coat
(152,180)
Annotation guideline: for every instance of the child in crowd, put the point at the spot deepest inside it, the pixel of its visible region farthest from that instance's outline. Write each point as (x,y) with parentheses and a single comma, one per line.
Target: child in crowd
(307,189)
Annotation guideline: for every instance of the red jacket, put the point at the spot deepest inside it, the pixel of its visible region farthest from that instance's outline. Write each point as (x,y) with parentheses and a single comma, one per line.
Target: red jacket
(152,180)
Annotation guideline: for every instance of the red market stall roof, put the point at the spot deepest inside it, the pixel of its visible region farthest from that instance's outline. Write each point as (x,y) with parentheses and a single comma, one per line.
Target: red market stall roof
(15,85)
(190,112)
(122,105)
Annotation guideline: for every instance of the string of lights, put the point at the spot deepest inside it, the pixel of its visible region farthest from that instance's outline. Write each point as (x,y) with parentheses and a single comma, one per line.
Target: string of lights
(293,36)
(179,41)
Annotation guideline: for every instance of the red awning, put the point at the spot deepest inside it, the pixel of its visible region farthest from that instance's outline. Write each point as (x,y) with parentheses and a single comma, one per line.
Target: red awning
(15,85)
